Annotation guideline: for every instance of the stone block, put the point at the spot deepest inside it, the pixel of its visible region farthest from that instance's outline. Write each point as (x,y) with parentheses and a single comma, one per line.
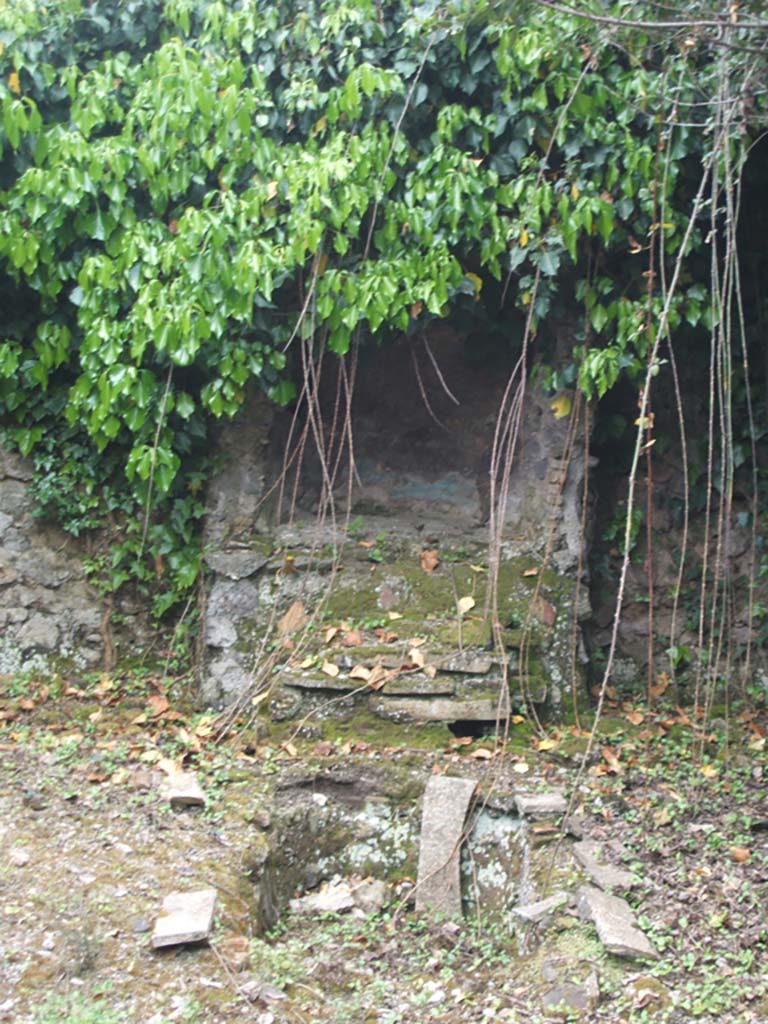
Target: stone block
(186,917)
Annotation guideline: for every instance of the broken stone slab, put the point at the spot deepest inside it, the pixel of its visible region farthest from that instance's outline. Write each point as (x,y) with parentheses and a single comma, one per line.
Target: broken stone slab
(605,876)
(464,662)
(440,709)
(420,686)
(321,681)
(438,885)
(615,923)
(541,805)
(236,564)
(186,917)
(183,790)
(334,898)
(533,913)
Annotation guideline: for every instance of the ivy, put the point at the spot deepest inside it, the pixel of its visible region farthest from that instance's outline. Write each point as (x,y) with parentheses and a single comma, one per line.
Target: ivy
(173,173)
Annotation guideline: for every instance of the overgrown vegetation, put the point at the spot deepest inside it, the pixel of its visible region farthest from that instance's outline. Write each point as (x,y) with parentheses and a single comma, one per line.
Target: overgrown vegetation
(192,189)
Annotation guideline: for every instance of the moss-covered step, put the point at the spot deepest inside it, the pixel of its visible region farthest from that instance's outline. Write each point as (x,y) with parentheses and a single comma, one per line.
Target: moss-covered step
(413,684)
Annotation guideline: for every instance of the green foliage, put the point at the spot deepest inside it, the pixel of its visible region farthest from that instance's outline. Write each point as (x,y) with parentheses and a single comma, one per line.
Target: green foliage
(190,185)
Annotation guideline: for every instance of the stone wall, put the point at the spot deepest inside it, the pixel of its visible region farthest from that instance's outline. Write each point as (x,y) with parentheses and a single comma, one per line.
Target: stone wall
(50,615)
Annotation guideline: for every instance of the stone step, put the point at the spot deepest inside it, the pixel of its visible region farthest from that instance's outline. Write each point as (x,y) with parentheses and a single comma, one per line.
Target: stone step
(438,709)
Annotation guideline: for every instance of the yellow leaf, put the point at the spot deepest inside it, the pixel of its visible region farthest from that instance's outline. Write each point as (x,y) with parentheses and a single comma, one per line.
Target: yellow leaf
(271,189)
(477,282)
(662,816)
(575,192)
(322,263)
(330,669)
(548,744)
(14,84)
(523,238)
(561,406)
(465,604)
(521,768)
(394,616)
(708,771)
(260,697)
(360,672)
(517,719)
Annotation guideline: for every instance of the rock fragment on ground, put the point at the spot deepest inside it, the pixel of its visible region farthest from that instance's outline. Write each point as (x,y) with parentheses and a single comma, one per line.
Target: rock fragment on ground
(183,790)
(615,923)
(541,805)
(186,917)
(334,898)
(533,913)
(18,857)
(370,896)
(446,802)
(605,876)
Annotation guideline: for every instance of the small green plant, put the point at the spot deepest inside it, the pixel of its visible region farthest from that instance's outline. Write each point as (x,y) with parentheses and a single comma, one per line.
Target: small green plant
(76,1008)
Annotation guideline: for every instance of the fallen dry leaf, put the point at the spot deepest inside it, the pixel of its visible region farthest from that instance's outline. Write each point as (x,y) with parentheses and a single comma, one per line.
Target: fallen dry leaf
(169,766)
(289,749)
(416,658)
(636,717)
(465,604)
(429,560)
(158,704)
(360,672)
(611,758)
(662,682)
(482,754)
(521,767)
(330,669)
(330,633)
(740,854)
(353,638)
(708,771)
(530,572)
(379,676)
(547,744)
(295,618)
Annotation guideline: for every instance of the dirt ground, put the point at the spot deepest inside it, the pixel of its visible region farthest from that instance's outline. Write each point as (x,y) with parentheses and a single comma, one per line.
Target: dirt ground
(89,847)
